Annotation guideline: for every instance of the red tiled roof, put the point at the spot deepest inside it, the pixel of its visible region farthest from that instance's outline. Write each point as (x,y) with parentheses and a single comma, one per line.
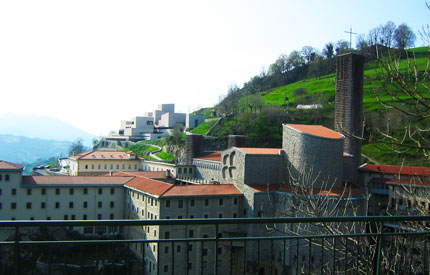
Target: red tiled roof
(202,190)
(106,155)
(290,189)
(401,181)
(316,130)
(74,180)
(260,151)
(144,174)
(10,165)
(150,186)
(215,156)
(396,169)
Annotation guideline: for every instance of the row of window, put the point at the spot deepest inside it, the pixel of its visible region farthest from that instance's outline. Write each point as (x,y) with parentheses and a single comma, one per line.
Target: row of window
(28,205)
(73,217)
(151,200)
(58,191)
(193,203)
(205,216)
(6,177)
(111,166)
(185,170)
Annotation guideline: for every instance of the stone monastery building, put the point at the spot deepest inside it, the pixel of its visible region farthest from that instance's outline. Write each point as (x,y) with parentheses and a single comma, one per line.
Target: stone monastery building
(234,183)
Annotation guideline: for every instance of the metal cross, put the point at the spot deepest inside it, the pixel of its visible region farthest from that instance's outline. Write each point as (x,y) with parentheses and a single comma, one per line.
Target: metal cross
(350,36)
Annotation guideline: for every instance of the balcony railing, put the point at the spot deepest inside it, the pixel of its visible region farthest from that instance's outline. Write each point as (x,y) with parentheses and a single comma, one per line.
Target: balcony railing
(329,245)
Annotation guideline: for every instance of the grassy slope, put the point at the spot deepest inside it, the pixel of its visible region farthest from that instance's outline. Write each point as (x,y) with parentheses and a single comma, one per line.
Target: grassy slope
(203,128)
(324,88)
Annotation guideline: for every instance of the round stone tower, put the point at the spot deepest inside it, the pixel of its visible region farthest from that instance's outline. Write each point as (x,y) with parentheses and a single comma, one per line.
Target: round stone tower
(314,154)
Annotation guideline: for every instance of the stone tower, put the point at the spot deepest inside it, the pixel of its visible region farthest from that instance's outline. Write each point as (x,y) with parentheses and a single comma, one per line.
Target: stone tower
(349,104)
(193,147)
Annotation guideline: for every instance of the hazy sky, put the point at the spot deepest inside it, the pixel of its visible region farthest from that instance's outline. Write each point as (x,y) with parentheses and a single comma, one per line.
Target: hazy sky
(94,63)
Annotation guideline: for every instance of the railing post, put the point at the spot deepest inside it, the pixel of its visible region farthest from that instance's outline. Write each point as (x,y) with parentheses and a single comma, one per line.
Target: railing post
(17,256)
(216,250)
(378,259)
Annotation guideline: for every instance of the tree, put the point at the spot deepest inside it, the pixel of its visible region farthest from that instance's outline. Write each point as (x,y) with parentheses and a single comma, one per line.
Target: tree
(404,37)
(328,50)
(296,59)
(77,147)
(342,46)
(406,89)
(387,34)
(307,53)
(255,101)
(374,36)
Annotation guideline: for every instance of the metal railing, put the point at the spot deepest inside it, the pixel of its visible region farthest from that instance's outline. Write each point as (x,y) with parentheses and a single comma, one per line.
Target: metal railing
(373,245)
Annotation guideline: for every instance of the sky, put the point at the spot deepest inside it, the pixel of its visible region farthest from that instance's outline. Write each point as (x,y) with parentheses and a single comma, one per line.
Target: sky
(94,63)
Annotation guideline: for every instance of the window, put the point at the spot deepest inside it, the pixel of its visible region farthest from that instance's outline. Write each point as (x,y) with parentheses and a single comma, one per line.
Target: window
(100,167)
(85,191)
(117,167)
(28,192)
(219,250)
(100,191)
(1,205)
(84,217)
(0,191)
(86,166)
(57,205)
(167,203)
(99,216)
(13,191)
(85,204)
(220,215)
(92,166)
(71,204)
(6,178)
(206,216)
(111,216)
(191,233)
(1,177)
(221,201)
(205,252)
(71,191)
(234,215)
(111,166)
(166,267)
(57,191)
(235,201)
(42,205)
(43,191)
(178,248)
(190,247)
(123,167)
(135,166)
(206,202)
(179,217)
(191,216)
(166,249)
(99,204)
(112,190)
(13,205)
(112,204)
(180,203)
(73,217)
(66,217)
(155,233)
(167,234)
(192,202)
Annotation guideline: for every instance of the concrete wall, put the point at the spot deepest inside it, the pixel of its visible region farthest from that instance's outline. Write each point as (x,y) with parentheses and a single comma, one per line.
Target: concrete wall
(167,108)
(349,104)
(192,121)
(170,119)
(100,166)
(312,157)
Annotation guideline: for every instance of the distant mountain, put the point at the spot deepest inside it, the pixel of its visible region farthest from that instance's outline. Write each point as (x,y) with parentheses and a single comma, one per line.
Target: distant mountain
(33,126)
(23,150)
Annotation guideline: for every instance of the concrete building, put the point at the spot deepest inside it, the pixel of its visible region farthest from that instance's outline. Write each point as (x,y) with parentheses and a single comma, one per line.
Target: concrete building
(156,124)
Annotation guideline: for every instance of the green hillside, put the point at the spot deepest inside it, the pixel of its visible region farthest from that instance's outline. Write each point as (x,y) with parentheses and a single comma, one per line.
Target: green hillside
(280,107)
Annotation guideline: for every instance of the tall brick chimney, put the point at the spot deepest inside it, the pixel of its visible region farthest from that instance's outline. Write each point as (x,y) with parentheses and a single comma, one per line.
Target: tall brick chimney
(349,104)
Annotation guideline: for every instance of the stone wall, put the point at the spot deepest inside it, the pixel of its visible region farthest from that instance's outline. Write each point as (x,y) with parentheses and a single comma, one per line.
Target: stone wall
(193,147)
(312,157)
